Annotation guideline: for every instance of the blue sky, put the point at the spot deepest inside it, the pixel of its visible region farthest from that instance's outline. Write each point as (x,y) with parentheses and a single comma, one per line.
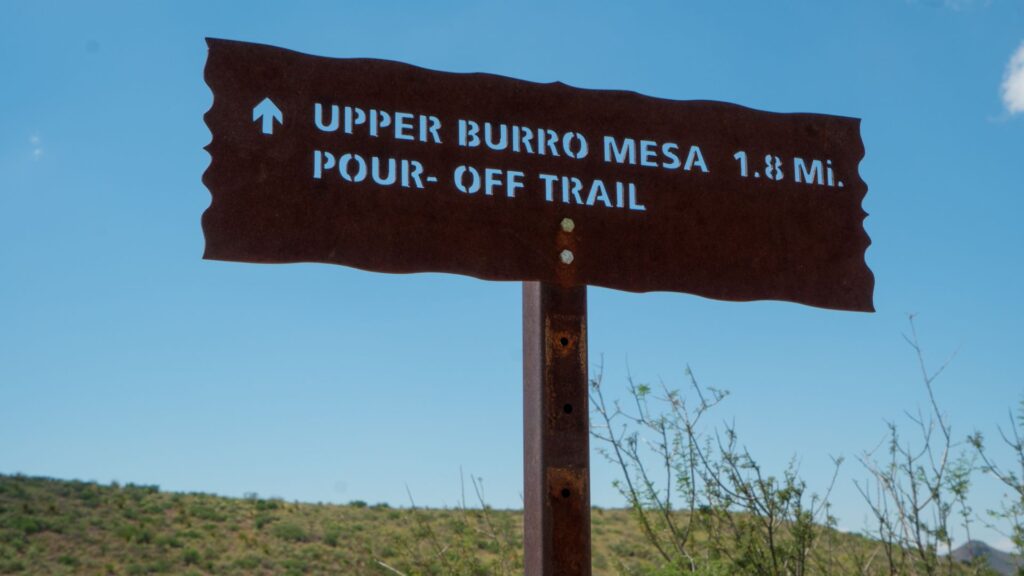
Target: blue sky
(124,355)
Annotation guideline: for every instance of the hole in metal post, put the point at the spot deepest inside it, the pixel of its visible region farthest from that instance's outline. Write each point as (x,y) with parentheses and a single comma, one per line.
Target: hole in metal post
(564,341)
(565,493)
(567,408)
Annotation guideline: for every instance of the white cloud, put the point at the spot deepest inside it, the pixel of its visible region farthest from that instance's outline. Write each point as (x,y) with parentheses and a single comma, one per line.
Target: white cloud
(1013,82)
(37,147)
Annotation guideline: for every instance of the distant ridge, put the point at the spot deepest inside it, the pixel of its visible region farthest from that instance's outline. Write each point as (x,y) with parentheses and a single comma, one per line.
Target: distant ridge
(1001,562)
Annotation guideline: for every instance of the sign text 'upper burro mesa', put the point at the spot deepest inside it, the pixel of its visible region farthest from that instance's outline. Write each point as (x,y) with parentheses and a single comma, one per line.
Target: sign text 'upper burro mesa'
(389,167)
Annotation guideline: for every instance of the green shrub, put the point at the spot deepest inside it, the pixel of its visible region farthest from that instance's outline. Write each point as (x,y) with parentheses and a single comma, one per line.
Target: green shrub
(249,562)
(159,566)
(262,520)
(23,524)
(331,535)
(290,532)
(139,490)
(206,512)
(171,541)
(134,534)
(12,567)
(295,566)
(272,504)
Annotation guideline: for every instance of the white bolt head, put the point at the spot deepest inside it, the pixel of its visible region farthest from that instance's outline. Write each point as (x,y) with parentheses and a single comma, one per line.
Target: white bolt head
(568,225)
(566,256)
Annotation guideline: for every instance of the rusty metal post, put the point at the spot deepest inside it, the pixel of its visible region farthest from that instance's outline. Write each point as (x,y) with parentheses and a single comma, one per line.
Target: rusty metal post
(556,431)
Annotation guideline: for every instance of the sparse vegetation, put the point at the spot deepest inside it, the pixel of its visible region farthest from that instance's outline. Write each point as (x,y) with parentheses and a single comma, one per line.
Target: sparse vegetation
(703,502)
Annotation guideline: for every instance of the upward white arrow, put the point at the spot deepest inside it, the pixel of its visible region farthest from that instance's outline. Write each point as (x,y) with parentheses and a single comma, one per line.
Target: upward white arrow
(267,111)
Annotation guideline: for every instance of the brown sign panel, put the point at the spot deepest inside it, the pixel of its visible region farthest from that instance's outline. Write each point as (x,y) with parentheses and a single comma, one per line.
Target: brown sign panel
(393,168)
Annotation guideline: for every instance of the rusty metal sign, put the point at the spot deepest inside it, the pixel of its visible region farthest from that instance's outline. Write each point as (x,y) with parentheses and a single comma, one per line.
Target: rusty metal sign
(389,167)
